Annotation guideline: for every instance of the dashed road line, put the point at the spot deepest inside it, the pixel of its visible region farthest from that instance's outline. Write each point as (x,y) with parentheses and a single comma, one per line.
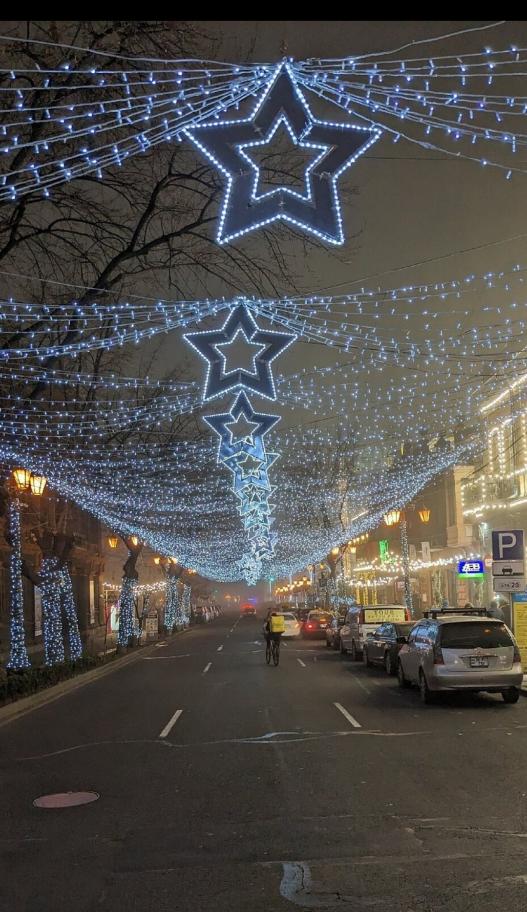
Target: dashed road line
(351,719)
(205,670)
(219,648)
(170,724)
(300,662)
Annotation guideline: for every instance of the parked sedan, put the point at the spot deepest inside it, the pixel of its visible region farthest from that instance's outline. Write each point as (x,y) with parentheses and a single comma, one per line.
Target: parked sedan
(316,624)
(333,631)
(382,647)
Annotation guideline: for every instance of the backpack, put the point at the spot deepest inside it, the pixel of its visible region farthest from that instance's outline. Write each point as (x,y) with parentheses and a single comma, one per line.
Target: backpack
(277,623)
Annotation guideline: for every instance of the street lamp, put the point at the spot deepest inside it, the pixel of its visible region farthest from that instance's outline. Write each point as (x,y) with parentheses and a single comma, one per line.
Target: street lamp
(392,517)
(113,541)
(424,514)
(22,479)
(37,484)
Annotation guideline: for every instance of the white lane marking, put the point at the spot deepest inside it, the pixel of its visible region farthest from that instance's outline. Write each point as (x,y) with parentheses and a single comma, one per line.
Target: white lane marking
(363,686)
(219,648)
(347,715)
(205,670)
(160,645)
(284,645)
(185,655)
(300,662)
(170,724)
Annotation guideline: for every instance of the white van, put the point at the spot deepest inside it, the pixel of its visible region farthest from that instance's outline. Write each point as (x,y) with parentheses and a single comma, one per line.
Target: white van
(362,620)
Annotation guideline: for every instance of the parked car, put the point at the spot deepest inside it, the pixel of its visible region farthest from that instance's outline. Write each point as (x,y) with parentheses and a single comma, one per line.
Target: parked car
(248,610)
(292,624)
(333,631)
(362,620)
(383,646)
(315,624)
(460,652)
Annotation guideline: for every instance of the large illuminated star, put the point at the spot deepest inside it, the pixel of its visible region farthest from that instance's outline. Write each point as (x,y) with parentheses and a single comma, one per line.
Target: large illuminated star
(220,423)
(228,144)
(213,345)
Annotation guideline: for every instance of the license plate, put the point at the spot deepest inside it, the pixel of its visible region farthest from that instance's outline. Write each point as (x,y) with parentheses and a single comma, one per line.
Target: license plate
(479,662)
(323,625)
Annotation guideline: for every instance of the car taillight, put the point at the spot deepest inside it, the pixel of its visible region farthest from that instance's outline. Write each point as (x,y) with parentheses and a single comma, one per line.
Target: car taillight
(517,654)
(438,656)
(309,626)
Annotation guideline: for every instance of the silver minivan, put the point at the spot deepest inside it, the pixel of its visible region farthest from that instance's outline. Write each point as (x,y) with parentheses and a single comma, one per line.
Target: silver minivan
(449,652)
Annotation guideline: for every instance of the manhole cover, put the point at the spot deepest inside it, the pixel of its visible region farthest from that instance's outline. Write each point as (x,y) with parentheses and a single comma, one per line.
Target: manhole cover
(65,799)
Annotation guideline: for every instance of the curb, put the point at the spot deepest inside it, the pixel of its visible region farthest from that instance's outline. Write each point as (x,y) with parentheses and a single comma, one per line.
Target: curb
(22,707)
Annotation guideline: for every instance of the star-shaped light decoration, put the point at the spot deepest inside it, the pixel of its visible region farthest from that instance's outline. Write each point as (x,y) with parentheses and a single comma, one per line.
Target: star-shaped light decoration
(213,346)
(336,146)
(220,423)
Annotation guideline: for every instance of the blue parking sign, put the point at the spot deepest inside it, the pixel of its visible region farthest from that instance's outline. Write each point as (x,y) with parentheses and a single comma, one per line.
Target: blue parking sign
(507,545)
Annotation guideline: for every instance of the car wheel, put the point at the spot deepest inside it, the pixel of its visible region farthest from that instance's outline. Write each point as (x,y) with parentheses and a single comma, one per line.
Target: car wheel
(365,658)
(343,649)
(354,653)
(403,682)
(427,696)
(388,663)
(511,695)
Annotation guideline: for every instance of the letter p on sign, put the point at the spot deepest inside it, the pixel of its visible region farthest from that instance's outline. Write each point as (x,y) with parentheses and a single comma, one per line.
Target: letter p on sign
(506,541)
(507,545)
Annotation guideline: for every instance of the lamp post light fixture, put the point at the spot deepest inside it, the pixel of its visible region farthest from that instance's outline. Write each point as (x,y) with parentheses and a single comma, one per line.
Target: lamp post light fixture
(22,479)
(135,541)
(424,514)
(392,517)
(113,541)
(37,483)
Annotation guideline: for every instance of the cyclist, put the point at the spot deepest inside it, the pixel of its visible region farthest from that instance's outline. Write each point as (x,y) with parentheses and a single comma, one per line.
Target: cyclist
(274,627)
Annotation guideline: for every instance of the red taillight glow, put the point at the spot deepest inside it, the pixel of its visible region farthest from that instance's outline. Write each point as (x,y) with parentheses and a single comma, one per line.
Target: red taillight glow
(438,656)
(309,626)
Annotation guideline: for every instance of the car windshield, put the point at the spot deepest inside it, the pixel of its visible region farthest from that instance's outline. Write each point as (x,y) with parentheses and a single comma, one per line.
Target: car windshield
(481,635)
(288,616)
(403,629)
(318,616)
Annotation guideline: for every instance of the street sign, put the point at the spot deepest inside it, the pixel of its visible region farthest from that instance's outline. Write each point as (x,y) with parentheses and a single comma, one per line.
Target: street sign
(508,554)
(471,568)
(508,584)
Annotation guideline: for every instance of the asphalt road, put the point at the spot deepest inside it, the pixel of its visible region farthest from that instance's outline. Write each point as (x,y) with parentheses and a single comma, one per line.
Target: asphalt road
(263,796)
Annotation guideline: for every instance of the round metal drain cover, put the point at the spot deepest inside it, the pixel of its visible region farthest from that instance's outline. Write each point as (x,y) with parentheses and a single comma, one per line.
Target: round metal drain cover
(65,799)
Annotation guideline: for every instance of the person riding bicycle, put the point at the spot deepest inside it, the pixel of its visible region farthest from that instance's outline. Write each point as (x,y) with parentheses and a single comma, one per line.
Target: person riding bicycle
(274,627)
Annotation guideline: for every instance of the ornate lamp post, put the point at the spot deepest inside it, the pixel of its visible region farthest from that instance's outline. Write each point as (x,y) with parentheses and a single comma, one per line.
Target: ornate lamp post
(22,480)
(392,518)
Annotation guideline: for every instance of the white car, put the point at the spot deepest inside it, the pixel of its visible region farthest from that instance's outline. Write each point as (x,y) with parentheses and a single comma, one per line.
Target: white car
(292,626)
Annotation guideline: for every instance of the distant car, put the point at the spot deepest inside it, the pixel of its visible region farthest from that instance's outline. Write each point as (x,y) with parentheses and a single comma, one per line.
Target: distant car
(292,625)
(316,624)
(461,652)
(333,631)
(383,646)
(248,610)
(302,614)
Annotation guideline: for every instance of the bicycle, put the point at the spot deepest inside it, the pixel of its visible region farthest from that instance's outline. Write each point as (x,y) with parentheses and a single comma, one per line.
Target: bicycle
(272,650)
